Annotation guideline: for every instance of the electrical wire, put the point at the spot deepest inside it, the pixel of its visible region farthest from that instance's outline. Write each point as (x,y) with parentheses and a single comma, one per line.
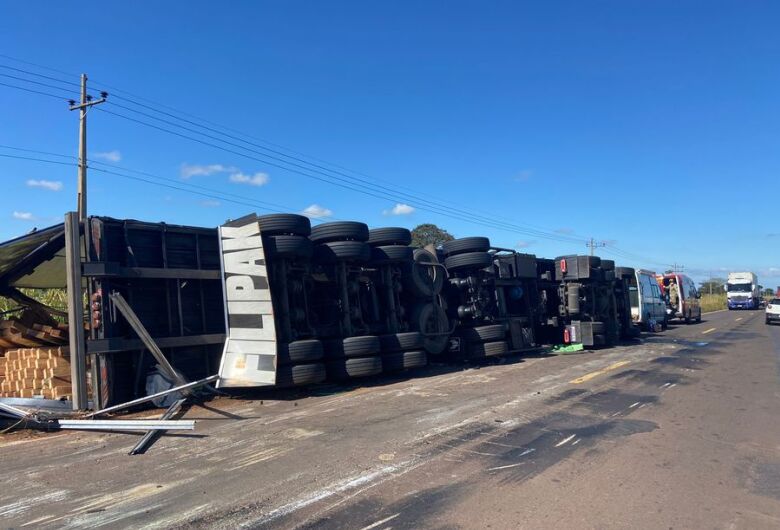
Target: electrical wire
(433,205)
(64,98)
(461,216)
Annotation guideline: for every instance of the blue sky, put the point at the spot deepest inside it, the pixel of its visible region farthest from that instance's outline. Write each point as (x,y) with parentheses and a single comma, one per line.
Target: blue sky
(653,126)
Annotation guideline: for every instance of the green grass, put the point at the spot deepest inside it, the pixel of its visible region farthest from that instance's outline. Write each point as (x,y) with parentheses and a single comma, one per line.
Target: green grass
(51,297)
(713,302)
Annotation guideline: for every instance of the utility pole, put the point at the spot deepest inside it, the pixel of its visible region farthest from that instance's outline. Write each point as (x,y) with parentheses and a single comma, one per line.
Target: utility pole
(593,244)
(83,107)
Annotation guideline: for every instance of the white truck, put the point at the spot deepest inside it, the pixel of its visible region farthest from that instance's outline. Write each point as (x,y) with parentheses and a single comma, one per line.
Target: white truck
(742,290)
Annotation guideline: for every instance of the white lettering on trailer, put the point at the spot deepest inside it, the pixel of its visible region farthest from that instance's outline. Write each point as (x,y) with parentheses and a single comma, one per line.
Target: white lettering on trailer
(249,355)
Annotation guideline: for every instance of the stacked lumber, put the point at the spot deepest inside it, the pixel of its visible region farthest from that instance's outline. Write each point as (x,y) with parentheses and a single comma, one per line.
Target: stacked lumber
(36,372)
(15,334)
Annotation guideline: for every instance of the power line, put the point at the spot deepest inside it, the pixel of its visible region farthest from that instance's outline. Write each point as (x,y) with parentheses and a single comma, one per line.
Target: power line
(433,205)
(64,98)
(209,192)
(403,196)
(328,179)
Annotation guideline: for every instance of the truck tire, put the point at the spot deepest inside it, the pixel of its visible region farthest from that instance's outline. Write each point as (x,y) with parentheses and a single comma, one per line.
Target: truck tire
(431,320)
(278,224)
(412,340)
(465,244)
(468,260)
(624,272)
(391,254)
(287,247)
(493,332)
(608,264)
(299,351)
(478,350)
(364,346)
(389,236)
(422,280)
(395,362)
(300,374)
(609,276)
(339,231)
(335,251)
(341,369)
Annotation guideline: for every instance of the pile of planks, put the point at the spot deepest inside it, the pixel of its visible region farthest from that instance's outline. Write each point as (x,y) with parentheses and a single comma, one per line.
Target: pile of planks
(36,372)
(34,359)
(15,334)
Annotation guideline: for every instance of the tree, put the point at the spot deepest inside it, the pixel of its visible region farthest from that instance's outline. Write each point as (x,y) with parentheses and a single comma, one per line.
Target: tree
(429,234)
(768,292)
(713,285)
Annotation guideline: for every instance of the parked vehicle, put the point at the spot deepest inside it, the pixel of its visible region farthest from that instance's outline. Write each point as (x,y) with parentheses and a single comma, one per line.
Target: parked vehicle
(647,302)
(742,290)
(681,297)
(773,311)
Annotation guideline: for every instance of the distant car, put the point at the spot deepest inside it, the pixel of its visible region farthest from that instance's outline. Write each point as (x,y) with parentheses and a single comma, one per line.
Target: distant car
(773,311)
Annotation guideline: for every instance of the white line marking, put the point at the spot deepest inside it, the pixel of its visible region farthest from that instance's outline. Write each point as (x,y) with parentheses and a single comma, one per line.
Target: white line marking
(369,527)
(635,404)
(708,331)
(576,441)
(738,319)
(565,440)
(673,385)
(527,451)
(665,385)
(506,467)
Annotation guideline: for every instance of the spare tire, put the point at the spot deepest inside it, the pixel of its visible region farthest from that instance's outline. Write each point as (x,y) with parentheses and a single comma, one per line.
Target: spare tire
(346,368)
(391,254)
(423,280)
(389,236)
(339,231)
(478,350)
(412,340)
(287,247)
(300,374)
(277,224)
(465,244)
(352,347)
(334,251)
(492,332)
(395,362)
(469,260)
(299,351)
(431,320)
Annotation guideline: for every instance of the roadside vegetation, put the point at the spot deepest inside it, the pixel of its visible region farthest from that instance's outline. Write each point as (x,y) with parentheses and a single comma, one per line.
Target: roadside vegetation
(55,298)
(713,302)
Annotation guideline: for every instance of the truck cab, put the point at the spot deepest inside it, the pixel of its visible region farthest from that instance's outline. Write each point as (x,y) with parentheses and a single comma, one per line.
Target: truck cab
(742,291)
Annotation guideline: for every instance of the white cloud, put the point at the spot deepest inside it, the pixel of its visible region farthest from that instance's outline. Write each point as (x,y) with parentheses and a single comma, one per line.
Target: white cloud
(51,185)
(24,216)
(258,179)
(109,156)
(315,211)
(195,170)
(524,244)
(400,209)
(210,203)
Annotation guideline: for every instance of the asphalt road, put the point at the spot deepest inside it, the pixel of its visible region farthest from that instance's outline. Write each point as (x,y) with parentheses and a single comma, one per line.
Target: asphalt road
(679,430)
